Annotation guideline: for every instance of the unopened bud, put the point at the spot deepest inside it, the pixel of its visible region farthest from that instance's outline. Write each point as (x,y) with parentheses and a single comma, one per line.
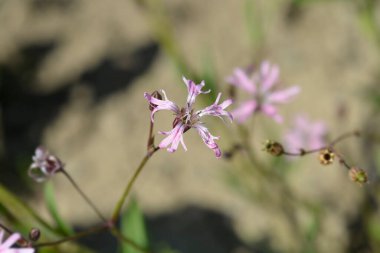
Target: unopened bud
(326,156)
(155,94)
(34,234)
(273,148)
(358,175)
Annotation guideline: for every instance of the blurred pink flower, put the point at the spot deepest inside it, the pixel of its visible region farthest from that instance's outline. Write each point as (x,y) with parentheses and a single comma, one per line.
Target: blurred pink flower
(5,247)
(44,165)
(261,87)
(186,118)
(305,134)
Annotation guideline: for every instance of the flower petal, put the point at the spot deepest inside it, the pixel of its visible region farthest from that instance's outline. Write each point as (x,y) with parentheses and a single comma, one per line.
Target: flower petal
(244,111)
(10,241)
(305,134)
(193,90)
(240,79)
(37,174)
(283,96)
(271,111)
(174,137)
(217,110)
(160,104)
(270,77)
(208,139)
(23,250)
(40,155)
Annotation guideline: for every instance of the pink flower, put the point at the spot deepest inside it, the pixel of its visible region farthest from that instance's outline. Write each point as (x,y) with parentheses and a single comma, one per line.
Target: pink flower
(261,87)
(305,134)
(186,118)
(5,247)
(44,165)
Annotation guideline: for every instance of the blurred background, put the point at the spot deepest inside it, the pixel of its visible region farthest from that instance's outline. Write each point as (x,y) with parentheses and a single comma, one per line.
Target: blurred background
(72,77)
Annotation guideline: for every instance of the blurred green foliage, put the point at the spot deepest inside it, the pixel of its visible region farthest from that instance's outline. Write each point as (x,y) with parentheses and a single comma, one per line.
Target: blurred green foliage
(51,204)
(133,227)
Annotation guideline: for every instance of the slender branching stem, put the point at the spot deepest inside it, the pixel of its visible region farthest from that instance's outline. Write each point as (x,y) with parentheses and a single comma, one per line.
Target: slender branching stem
(87,199)
(125,239)
(329,146)
(128,188)
(9,231)
(342,160)
(73,237)
(345,136)
(303,152)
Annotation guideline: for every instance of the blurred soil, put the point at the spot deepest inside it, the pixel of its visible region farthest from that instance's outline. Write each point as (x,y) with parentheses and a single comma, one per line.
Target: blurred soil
(73,74)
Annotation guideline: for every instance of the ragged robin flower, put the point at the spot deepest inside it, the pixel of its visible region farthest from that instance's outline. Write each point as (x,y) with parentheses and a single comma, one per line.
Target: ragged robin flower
(261,86)
(44,165)
(5,247)
(187,118)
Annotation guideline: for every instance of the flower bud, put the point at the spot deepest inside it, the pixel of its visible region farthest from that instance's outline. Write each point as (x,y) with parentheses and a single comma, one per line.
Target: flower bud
(44,165)
(358,175)
(326,156)
(273,148)
(34,234)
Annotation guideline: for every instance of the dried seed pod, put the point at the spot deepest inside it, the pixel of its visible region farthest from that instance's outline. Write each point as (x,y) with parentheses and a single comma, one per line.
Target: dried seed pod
(326,156)
(274,148)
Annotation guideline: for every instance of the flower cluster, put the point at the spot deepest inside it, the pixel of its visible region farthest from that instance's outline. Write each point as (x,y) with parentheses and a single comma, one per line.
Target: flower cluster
(44,165)
(261,87)
(186,118)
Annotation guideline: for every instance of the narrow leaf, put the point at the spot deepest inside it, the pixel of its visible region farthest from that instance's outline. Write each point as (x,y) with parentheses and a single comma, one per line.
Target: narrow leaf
(133,227)
(53,210)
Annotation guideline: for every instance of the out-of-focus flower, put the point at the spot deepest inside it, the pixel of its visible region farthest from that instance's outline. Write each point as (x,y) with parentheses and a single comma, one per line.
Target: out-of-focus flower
(5,247)
(305,135)
(326,156)
(358,175)
(260,85)
(44,165)
(186,118)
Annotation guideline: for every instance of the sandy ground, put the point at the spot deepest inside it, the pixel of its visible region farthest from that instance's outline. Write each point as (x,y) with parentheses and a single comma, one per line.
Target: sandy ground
(324,51)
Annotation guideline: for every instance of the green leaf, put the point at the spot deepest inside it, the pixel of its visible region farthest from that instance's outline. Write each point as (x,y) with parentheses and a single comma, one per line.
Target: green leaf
(53,210)
(133,227)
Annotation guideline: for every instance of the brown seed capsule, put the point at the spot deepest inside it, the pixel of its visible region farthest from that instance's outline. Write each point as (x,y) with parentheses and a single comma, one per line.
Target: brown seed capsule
(358,175)
(326,156)
(34,234)
(274,148)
